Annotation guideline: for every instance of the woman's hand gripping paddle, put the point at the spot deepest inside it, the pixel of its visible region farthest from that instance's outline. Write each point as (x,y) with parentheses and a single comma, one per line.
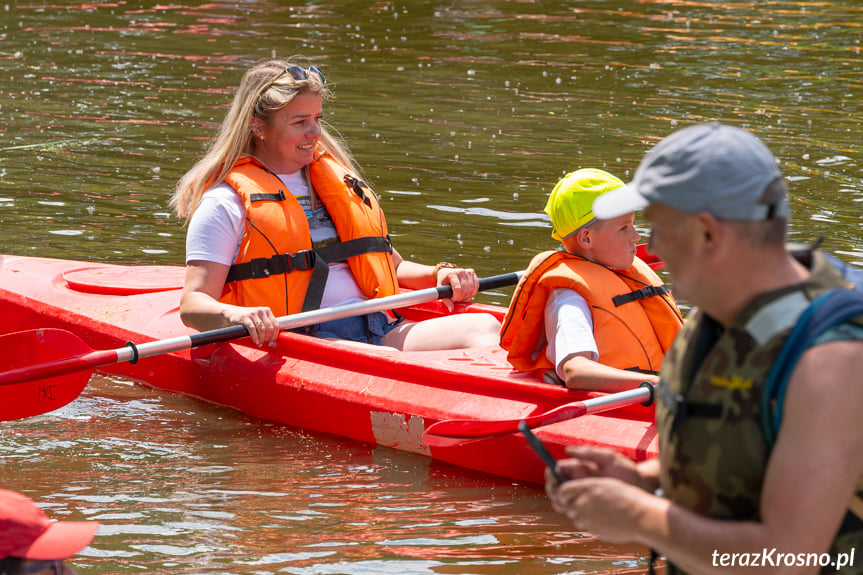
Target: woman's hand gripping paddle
(43,370)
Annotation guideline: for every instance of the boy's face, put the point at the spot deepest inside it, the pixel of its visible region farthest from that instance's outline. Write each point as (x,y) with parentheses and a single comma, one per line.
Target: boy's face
(613,241)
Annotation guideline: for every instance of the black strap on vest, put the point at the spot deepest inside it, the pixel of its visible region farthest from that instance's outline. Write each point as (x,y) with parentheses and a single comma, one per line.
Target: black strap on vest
(315,260)
(285,264)
(638,294)
(280,197)
(317,283)
(278,264)
(683,409)
(357,186)
(341,251)
(308,259)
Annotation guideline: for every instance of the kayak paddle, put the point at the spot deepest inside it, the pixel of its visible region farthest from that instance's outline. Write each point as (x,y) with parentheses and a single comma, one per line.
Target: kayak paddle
(43,370)
(452,432)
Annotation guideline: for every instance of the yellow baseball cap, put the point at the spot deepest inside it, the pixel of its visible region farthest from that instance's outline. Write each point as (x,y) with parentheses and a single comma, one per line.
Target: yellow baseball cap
(570,205)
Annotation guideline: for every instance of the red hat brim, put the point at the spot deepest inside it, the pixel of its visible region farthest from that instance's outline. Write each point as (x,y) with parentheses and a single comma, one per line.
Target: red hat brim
(61,540)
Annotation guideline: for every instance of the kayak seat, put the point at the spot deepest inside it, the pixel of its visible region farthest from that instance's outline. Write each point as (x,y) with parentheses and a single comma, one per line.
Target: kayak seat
(125,280)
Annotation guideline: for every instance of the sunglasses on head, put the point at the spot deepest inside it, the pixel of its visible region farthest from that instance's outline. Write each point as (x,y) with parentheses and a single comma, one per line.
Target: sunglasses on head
(298,74)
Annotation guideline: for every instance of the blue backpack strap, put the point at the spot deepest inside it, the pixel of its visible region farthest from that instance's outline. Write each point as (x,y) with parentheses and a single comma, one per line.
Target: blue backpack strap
(827,310)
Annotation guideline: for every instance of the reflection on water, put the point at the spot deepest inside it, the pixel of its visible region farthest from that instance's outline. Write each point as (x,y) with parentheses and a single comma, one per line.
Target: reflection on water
(179,486)
(463,114)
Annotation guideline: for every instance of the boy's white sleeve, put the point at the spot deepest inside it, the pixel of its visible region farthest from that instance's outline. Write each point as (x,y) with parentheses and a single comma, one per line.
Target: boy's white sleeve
(568,327)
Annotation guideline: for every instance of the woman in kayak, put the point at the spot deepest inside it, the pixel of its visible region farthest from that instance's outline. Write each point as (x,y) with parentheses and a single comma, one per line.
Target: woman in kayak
(280,222)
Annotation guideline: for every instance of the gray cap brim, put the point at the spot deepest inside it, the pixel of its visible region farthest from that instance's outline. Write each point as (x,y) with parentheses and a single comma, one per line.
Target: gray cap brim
(619,202)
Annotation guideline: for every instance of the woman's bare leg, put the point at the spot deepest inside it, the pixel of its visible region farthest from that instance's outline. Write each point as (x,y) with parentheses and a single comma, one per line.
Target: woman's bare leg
(447,332)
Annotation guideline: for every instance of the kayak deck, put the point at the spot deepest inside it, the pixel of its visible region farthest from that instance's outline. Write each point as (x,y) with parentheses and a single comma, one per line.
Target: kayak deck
(358,391)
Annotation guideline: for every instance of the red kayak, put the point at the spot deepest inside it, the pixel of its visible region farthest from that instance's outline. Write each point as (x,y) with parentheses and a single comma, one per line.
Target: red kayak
(352,390)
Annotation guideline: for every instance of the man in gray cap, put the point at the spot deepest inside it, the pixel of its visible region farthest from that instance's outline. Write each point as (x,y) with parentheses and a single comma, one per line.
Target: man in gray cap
(753,470)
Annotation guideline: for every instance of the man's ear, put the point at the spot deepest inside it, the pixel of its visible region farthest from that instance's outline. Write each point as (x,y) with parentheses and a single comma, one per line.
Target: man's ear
(710,230)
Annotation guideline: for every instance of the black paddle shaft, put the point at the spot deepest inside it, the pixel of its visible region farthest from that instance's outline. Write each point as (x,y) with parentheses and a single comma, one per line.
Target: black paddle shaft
(329,314)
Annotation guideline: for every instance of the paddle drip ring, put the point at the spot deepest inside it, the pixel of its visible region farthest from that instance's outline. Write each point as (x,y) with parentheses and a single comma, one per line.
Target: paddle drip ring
(134,349)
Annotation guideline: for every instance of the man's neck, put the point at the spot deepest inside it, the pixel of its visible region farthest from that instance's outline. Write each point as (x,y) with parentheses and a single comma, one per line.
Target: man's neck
(750,276)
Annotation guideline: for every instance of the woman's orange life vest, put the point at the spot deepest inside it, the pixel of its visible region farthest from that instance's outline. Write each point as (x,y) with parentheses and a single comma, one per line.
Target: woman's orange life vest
(276,265)
(635,319)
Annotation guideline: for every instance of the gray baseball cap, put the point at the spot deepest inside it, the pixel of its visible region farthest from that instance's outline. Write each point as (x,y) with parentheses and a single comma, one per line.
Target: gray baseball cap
(712,168)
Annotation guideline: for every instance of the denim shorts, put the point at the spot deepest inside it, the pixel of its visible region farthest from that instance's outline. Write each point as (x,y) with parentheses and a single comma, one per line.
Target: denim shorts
(365,328)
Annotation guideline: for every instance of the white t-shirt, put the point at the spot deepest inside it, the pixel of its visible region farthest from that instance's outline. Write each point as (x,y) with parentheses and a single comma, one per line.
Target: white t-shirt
(568,327)
(218,224)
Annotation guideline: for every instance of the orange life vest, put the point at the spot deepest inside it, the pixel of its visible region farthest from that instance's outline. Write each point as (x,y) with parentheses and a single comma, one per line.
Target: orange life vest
(635,318)
(276,265)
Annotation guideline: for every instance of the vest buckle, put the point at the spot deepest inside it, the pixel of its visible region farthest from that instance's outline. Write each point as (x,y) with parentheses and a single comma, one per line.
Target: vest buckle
(308,260)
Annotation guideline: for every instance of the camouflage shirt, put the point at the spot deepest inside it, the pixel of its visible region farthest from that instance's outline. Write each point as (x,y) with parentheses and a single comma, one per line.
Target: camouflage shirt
(712,449)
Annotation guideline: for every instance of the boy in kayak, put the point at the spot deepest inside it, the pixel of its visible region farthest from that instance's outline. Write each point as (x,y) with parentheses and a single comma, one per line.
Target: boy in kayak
(746,480)
(280,223)
(32,543)
(594,316)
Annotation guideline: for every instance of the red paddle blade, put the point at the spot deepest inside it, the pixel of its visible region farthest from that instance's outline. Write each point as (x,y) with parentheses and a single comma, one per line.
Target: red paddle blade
(30,348)
(454,432)
(433,440)
(471,428)
(460,431)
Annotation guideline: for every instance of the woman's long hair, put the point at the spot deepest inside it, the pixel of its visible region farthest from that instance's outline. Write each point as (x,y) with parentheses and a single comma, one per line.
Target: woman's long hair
(264,89)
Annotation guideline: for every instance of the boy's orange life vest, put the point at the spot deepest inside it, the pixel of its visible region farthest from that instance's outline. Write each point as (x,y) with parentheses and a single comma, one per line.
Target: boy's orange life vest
(635,319)
(276,265)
